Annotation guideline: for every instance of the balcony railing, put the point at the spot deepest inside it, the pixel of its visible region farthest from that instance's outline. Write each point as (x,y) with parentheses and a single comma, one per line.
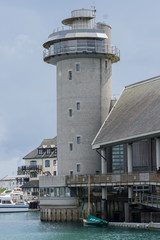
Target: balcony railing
(73,46)
(130,179)
(28,168)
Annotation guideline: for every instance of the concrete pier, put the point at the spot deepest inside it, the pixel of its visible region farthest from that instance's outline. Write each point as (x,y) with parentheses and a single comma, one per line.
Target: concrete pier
(135,225)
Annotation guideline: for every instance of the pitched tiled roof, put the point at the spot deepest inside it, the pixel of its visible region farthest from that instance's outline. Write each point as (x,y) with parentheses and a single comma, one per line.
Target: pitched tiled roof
(135,116)
(46,143)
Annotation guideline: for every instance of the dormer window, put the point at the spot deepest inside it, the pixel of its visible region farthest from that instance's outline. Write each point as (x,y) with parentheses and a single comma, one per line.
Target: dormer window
(40,151)
(48,151)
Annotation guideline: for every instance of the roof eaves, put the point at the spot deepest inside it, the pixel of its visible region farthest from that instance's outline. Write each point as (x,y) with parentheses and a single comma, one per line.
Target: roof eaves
(127,140)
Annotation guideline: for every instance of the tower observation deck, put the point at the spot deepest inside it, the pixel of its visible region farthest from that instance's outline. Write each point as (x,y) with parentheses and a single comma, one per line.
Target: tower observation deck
(83,56)
(85,36)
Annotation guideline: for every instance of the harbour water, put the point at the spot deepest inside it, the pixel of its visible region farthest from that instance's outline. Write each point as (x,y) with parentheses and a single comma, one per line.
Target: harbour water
(24,226)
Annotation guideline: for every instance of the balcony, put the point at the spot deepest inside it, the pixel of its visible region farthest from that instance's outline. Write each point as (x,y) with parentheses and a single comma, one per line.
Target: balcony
(82,46)
(25,169)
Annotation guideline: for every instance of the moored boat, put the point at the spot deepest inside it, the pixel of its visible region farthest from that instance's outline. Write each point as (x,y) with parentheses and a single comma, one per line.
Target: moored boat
(94,221)
(8,206)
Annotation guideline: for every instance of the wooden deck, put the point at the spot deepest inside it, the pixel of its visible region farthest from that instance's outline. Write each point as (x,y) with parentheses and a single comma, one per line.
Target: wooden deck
(126,179)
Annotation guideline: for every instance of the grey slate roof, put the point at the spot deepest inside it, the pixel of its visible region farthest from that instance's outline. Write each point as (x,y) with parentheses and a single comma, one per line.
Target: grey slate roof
(34,154)
(31,184)
(135,116)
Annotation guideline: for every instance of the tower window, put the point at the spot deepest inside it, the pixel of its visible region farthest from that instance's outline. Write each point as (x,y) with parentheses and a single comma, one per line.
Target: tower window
(78,167)
(70,112)
(78,140)
(71,146)
(77,67)
(70,75)
(71,173)
(78,106)
(54,173)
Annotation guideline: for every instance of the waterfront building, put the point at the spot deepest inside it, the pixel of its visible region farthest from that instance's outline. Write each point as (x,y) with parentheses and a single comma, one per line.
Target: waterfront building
(40,161)
(131,133)
(125,156)
(83,57)
(11,182)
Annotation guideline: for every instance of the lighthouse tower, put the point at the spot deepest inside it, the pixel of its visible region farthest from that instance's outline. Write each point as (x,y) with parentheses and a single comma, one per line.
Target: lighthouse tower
(83,56)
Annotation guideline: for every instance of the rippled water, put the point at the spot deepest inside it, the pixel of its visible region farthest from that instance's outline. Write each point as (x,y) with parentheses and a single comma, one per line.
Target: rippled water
(22,226)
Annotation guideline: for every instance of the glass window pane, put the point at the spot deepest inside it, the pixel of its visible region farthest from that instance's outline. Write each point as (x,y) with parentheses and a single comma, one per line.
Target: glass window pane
(61,191)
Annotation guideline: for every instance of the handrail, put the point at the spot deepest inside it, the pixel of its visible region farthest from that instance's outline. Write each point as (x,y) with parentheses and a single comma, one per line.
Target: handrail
(82,49)
(117,179)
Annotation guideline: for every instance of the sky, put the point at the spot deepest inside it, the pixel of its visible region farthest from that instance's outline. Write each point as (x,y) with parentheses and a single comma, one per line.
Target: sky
(28,85)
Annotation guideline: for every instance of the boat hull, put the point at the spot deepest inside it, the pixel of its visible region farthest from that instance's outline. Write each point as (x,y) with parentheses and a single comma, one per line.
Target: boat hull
(13,209)
(94,224)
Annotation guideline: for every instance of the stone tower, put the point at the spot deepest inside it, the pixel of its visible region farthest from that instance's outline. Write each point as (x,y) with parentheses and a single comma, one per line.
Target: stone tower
(83,56)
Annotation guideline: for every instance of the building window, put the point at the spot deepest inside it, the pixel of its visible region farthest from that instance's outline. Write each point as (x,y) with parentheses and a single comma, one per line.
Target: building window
(78,106)
(78,167)
(105,64)
(40,151)
(47,163)
(78,67)
(54,173)
(78,140)
(54,163)
(70,112)
(70,75)
(33,174)
(118,159)
(62,191)
(33,163)
(71,146)
(71,173)
(67,192)
(48,151)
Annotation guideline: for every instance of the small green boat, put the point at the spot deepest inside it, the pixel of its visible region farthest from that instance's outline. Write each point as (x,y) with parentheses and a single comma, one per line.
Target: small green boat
(94,221)
(91,220)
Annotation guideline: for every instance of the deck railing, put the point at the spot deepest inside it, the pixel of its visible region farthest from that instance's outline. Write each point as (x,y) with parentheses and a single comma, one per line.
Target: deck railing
(152,178)
(103,49)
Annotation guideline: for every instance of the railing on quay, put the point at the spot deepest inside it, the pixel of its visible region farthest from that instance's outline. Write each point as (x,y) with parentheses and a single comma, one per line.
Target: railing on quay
(152,178)
(147,199)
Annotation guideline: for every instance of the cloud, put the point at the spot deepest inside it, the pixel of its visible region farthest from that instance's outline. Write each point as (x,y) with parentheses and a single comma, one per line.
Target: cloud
(3,131)
(21,46)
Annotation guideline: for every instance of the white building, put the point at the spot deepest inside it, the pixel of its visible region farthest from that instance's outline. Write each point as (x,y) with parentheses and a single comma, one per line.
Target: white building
(11,182)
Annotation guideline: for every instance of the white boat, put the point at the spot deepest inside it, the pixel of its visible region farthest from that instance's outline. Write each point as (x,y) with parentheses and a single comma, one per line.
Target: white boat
(8,203)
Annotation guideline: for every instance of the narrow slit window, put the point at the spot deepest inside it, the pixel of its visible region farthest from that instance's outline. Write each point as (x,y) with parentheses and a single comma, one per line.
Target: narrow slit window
(78,106)
(78,140)
(78,167)
(78,67)
(71,146)
(70,112)
(70,75)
